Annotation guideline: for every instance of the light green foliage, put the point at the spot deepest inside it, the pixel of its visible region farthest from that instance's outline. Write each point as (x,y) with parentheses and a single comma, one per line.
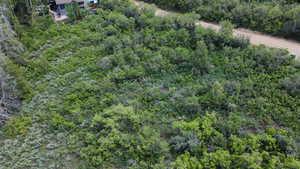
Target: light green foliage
(73,11)
(18,126)
(122,88)
(250,151)
(120,130)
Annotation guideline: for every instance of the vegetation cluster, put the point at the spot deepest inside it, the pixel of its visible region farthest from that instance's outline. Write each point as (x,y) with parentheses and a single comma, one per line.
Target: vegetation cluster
(276,17)
(123,88)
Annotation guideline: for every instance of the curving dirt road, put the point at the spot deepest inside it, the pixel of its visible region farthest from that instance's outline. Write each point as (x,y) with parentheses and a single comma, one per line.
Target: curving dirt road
(255,38)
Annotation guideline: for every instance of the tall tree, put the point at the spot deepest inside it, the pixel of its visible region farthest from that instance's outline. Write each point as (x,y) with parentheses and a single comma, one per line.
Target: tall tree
(25,9)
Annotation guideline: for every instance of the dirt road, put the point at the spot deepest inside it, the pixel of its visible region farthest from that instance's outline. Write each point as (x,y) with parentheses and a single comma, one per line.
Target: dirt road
(255,38)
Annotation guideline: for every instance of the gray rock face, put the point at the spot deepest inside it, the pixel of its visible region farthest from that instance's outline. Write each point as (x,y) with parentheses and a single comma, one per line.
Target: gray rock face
(9,48)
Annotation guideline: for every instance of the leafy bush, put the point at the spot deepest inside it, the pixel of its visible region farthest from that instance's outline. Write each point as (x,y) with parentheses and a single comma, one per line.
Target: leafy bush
(292,85)
(73,11)
(248,152)
(18,126)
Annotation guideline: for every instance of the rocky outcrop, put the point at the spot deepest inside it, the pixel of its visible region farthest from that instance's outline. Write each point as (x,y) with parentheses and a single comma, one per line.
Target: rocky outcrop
(10,47)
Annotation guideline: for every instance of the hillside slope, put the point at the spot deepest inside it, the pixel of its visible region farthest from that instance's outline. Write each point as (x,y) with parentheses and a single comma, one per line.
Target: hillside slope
(9,48)
(123,88)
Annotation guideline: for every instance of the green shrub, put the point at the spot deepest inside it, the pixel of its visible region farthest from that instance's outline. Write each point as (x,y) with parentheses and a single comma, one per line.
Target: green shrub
(18,126)
(292,85)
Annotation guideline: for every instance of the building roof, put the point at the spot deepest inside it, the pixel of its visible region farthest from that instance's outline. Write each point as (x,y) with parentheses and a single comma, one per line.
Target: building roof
(59,2)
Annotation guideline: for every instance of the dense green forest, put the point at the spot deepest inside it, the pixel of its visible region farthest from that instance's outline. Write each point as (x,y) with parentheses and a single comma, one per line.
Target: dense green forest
(276,17)
(124,89)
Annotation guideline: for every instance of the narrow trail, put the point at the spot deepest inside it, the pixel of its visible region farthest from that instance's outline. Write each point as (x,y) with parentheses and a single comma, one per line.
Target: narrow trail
(255,38)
